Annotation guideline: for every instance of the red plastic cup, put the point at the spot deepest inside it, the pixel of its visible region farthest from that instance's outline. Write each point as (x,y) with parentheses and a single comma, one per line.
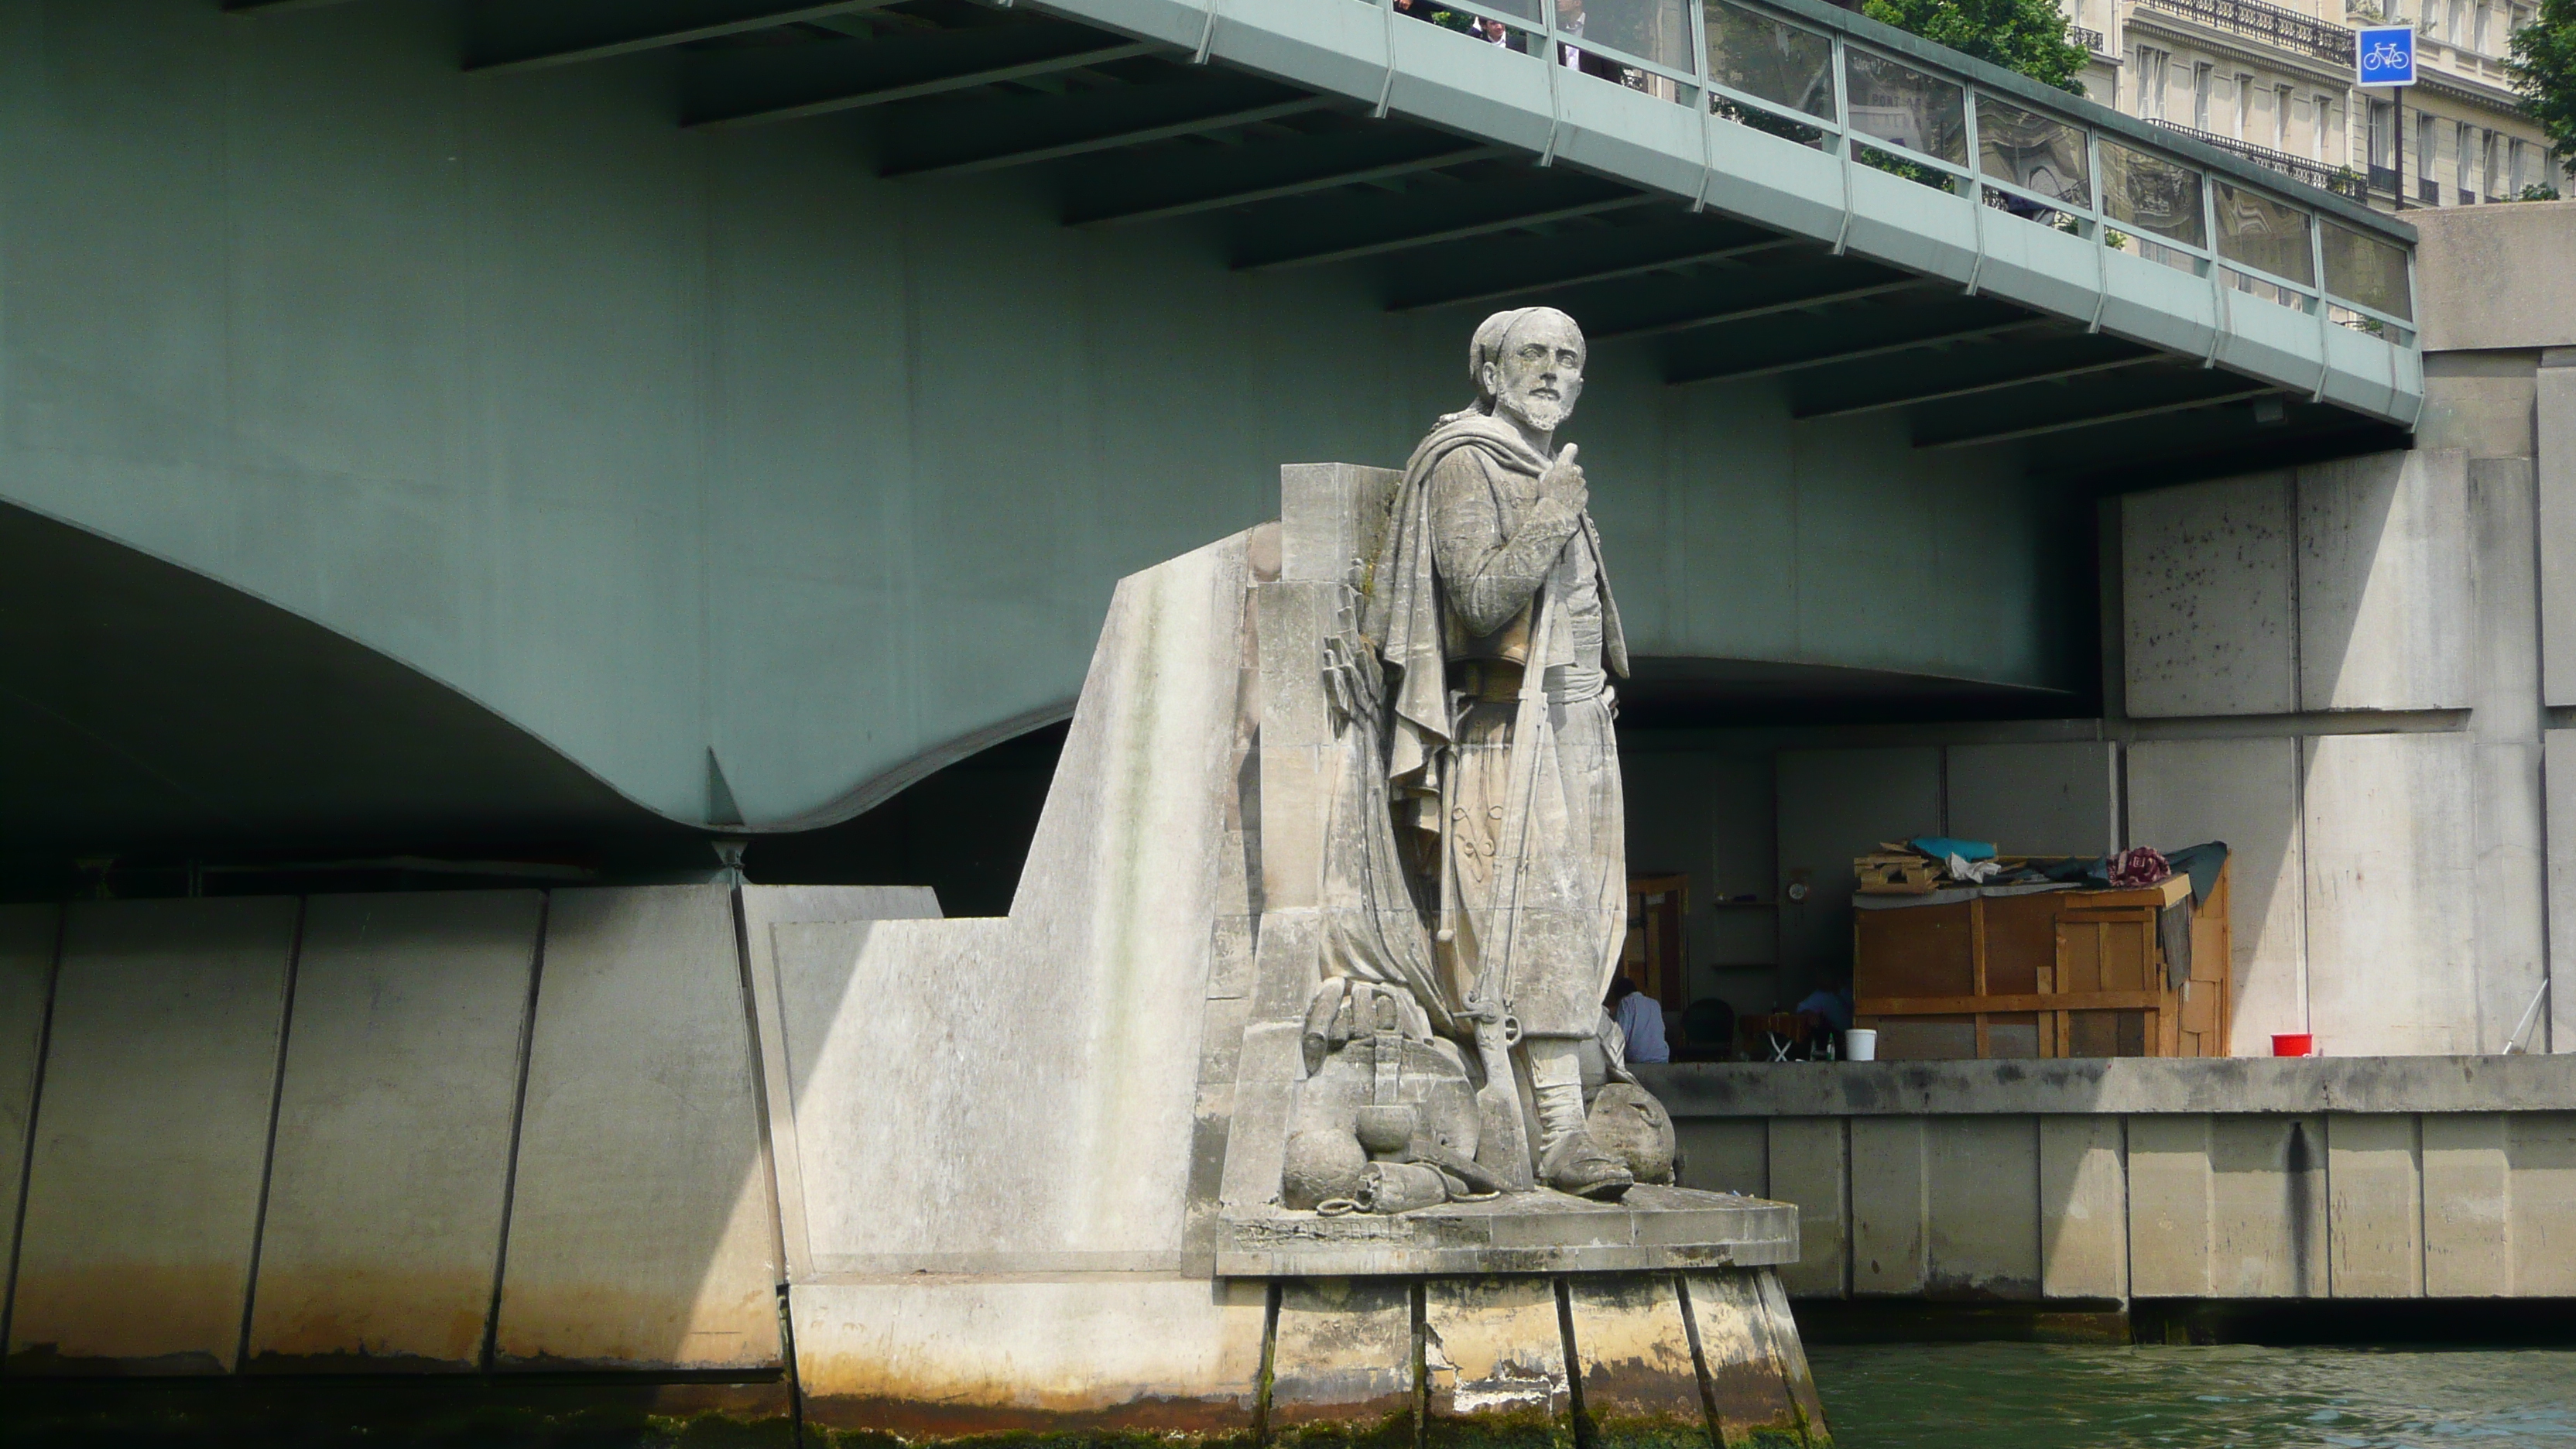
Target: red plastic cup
(2294,1044)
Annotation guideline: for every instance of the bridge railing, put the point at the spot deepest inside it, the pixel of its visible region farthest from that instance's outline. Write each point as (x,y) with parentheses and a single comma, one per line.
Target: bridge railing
(1814,75)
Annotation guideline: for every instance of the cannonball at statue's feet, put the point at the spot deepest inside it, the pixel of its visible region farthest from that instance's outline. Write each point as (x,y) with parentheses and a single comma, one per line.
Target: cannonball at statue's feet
(1578,1165)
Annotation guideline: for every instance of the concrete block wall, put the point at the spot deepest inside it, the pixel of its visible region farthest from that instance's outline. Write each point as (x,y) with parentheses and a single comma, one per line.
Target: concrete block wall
(2335,670)
(332,1135)
(2180,1179)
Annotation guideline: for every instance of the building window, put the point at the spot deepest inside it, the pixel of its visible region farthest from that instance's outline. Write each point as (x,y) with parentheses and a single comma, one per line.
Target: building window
(2427,190)
(2202,76)
(2244,102)
(2281,118)
(2152,69)
(2322,114)
(2513,168)
(2478,37)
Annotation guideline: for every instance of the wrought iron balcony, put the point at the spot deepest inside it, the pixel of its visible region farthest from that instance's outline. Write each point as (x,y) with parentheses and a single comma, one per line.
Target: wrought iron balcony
(2091,40)
(2315,173)
(2288,29)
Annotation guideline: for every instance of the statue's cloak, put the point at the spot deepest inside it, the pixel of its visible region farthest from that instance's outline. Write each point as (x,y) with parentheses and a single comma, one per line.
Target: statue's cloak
(1402,613)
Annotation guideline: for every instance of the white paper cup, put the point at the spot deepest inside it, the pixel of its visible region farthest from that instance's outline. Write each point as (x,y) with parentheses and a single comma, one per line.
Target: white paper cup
(1860,1044)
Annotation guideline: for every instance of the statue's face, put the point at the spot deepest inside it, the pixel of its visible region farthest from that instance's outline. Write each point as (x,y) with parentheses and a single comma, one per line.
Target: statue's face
(1540,372)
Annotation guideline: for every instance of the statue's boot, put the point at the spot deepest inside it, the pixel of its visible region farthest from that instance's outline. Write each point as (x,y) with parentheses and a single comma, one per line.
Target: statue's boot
(1576,1164)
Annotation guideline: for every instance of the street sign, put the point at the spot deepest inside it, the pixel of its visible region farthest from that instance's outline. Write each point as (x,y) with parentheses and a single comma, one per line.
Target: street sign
(2384,55)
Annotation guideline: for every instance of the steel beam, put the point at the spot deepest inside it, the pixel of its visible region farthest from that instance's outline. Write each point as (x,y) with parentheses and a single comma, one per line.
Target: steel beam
(1866,333)
(1737,296)
(751,88)
(1578,258)
(939,138)
(1345,229)
(519,36)
(1988,369)
(1220,176)
(2131,398)
(275,7)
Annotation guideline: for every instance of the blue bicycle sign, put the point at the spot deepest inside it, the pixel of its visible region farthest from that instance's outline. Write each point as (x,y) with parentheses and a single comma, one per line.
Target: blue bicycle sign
(2384,55)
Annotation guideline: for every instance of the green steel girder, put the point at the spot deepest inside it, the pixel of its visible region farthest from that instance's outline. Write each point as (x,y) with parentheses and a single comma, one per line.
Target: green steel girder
(276,7)
(1965,371)
(749,87)
(2214,442)
(2038,409)
(936,137)
(1343,228)
(510,35)
(1528,266)
(1848,334)
(1209,177)
(1650,306)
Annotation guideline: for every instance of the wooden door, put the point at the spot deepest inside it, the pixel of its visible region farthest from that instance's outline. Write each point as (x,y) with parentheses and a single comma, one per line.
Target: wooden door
(1658,906)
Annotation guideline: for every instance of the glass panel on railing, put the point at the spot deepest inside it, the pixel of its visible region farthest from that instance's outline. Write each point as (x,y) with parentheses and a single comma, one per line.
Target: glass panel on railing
(2034,152)
(1655,30)
(1771,59)
(2367,270)
(2149,192)
(2264,234)
(1901,104)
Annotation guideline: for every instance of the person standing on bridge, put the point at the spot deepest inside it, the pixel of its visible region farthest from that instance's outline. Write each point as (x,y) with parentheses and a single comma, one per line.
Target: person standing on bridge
(1490,596)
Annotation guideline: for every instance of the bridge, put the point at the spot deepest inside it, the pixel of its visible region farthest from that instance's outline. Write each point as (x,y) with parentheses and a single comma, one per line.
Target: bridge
(432,422)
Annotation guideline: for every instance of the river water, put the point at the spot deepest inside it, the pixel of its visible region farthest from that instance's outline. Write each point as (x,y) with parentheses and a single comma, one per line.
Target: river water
(2032,1396)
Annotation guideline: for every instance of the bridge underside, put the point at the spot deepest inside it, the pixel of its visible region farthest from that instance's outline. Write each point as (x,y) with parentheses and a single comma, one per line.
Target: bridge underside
(440,425)
(1122,132)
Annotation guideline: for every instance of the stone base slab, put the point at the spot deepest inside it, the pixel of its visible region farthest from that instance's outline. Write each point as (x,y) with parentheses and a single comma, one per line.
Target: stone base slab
(1653,1228)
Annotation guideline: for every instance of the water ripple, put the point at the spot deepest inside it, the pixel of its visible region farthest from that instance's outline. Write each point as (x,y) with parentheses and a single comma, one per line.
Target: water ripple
(2034,1396)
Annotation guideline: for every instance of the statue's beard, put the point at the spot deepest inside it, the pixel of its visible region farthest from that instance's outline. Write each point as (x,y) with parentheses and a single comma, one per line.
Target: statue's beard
(1541,414)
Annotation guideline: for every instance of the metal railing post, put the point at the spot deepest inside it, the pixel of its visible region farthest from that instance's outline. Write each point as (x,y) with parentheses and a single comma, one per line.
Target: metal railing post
(1555,62)
(2219,310)
(1707,108)
(2101,229)
(1843,137)
(1976,188)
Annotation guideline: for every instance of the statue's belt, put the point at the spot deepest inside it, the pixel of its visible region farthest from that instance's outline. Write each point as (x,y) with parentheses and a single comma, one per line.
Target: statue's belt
(1486,681)
(1498,681)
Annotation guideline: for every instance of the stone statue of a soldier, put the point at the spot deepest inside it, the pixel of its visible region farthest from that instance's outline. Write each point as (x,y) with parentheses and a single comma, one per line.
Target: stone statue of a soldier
(1490,600)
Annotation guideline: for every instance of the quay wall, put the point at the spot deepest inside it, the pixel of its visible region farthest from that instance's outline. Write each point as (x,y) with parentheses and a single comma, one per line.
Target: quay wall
(2094,1183)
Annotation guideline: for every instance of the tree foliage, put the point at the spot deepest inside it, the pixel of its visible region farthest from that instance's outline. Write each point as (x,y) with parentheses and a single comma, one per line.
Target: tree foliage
(2543,66)
(2028,36)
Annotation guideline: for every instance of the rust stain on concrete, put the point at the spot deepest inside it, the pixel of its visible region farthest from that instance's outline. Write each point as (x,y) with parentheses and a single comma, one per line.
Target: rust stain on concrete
(127,1318)
(1638,1384)
(1342,1354)
(369,1319)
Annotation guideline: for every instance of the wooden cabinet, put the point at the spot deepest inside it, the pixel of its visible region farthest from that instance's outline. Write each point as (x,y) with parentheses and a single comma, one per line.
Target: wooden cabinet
(2047,974)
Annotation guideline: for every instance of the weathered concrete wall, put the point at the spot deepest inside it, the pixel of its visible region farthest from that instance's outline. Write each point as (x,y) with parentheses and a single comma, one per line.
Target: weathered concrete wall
(641,1232)
(390,1175)
(817,470)
(2043,799)
(2393,1178)
(2496,276)
(2344,586)
(28,935)
(142,1208)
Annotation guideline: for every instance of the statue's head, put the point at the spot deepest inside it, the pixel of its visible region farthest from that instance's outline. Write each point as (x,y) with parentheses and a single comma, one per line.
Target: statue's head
(1528,363)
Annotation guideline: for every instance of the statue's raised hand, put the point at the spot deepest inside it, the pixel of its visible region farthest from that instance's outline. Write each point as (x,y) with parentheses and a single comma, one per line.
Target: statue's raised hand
(1563,481)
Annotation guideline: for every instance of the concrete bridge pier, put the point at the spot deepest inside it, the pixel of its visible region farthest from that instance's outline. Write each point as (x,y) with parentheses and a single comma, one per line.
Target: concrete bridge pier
(810,1158)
